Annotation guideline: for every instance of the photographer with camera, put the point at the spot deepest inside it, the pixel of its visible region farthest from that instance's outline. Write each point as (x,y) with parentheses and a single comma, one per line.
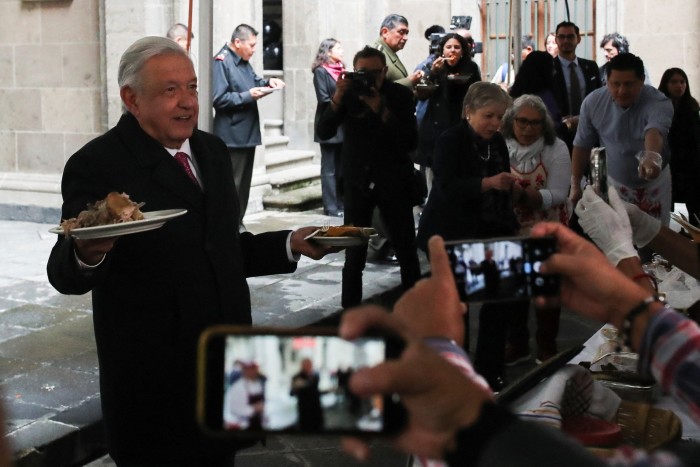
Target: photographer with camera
(451,72)
(380,131)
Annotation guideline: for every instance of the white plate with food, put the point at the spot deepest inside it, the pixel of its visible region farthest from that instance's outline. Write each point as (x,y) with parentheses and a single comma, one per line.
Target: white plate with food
(342,236)
(151,221)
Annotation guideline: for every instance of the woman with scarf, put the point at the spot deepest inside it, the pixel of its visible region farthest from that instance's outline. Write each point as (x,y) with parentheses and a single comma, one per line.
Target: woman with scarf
(327,68)
(471,198)
(540,163)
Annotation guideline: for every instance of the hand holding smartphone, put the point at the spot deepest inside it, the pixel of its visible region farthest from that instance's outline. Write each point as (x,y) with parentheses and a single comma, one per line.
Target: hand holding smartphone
(254,381)
(502,269)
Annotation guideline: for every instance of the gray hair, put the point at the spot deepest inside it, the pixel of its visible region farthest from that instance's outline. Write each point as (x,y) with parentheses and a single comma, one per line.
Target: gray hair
(534,102)
(138,53)
(481,94)
(392,22)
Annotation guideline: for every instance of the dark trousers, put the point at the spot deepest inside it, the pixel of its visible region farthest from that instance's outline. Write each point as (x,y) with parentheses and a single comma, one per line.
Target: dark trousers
(491,340)
(330,175)
(242,160)
(397,213)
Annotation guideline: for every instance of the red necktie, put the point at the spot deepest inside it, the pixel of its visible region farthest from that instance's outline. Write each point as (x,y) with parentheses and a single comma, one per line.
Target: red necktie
(184,160)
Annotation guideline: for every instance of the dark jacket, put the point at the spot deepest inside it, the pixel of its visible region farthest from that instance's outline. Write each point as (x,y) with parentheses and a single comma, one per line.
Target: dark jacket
(324,85)
(684,141)
(455,207)
(236,120)
(375,151)
(445,105)
(591,75)
(157,290)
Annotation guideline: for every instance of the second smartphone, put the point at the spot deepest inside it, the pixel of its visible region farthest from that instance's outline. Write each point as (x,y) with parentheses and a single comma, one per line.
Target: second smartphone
(502,269)
(254,381)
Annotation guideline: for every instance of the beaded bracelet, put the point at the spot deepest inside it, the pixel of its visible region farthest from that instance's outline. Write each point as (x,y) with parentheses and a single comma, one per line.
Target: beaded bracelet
(625,331)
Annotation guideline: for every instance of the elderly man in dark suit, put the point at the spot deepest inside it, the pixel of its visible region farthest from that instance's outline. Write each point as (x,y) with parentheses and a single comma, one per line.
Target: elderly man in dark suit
(154,292)
(236,90)
(379,126)
(575,78)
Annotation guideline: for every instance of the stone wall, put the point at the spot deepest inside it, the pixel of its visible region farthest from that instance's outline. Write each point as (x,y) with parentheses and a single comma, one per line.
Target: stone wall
(50,83)
(58,59)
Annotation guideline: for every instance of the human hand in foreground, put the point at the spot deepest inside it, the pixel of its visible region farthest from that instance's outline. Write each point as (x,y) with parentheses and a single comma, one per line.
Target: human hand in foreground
(439,399)
(590,285)
(313,250)
(432,308)
(607,224)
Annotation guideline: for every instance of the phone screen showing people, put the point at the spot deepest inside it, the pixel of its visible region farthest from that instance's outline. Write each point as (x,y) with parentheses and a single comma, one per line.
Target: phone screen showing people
(502,269)
(299,383)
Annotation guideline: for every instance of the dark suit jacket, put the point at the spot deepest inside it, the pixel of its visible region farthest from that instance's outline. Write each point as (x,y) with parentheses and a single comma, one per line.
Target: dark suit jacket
(324,85)
(156,291)
(591,75)
(236,120)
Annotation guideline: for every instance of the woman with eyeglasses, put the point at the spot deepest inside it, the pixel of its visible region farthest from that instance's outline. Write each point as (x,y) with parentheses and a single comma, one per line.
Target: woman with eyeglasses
(471,198)
(540,163)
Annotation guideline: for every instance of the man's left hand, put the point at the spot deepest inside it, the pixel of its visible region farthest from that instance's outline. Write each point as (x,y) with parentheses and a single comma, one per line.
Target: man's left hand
(308,248)
(276,83)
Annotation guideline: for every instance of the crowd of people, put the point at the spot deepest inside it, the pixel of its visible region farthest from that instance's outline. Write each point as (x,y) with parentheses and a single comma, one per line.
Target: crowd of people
(501,158)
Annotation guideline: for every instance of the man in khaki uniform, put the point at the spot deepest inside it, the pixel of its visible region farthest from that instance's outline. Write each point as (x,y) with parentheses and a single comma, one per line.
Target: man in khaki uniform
(393,35)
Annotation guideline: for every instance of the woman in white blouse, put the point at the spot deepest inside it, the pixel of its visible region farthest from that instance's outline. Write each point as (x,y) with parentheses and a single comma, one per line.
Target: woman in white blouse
(542,166)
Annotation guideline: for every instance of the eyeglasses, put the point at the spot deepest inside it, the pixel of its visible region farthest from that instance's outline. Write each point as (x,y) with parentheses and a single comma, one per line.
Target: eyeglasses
(524,123)
(569,37)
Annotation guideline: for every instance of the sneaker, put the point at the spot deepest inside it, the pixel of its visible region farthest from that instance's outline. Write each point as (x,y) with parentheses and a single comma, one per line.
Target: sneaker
(516,355)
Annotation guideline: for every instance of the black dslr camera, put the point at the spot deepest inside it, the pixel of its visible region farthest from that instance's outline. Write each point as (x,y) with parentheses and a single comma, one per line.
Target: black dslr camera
(435,39)
(362,82)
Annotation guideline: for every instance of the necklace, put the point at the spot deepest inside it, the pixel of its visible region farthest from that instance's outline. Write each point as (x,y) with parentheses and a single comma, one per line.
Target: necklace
(488,153)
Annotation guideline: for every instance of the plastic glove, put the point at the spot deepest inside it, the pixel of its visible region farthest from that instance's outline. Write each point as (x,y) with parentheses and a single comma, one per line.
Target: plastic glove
(644,226)
(607,224)
(650,163)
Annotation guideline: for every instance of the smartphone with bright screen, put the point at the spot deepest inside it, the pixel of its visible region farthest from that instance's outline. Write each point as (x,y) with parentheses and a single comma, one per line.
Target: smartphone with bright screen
(502,269)
(255,381)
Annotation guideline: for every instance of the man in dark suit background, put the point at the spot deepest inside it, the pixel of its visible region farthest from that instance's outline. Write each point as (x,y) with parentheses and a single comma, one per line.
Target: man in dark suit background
(379,127)
(236,90)
(154,292)
(568,69)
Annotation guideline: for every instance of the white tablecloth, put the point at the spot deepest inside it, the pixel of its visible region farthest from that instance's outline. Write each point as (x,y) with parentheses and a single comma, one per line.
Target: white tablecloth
(691,430)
